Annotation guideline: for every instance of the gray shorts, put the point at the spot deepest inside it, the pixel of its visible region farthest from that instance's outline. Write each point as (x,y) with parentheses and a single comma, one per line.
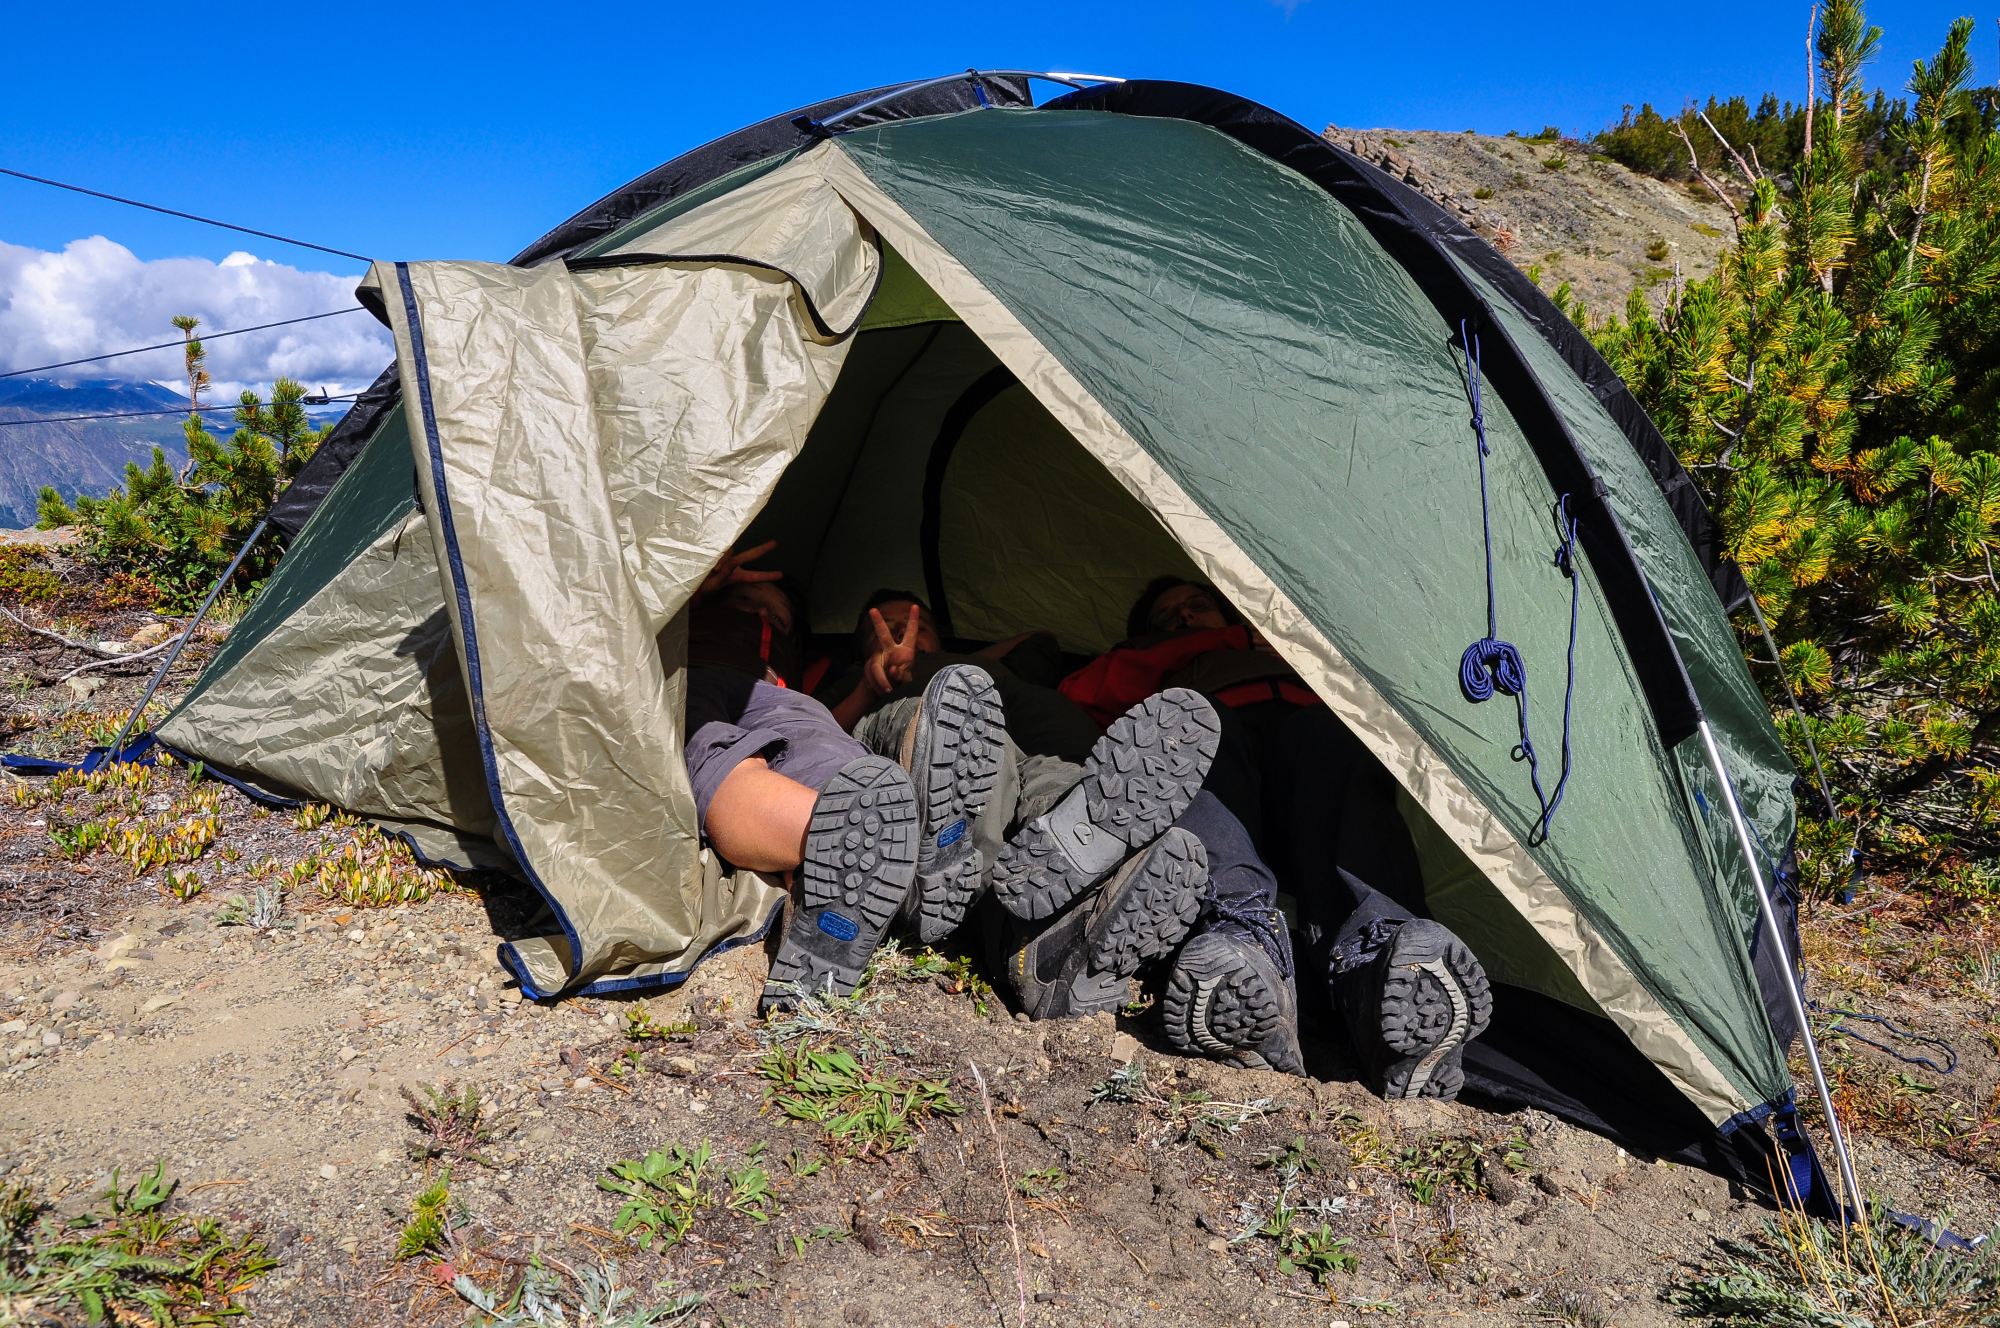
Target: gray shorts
(796,735)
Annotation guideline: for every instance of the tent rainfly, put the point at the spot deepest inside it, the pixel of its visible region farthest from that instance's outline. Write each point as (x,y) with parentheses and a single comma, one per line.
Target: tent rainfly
(1029,357)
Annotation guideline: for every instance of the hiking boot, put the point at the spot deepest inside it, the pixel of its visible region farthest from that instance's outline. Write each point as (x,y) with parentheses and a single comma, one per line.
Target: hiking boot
(1413,995)
(952,752)
(1231,998)
(1079,964)
(1140,777)
(861,856)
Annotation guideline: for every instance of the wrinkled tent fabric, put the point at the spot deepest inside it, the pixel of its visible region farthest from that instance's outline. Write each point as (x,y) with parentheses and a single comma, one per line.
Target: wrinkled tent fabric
(1024,359)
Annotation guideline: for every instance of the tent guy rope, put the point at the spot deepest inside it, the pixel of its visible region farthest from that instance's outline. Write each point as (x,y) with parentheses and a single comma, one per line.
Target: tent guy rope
(206,221)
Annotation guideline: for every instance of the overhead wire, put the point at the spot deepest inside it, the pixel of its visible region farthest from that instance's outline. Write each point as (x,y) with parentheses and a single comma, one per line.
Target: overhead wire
(176,345)
(171,212)
(177,410)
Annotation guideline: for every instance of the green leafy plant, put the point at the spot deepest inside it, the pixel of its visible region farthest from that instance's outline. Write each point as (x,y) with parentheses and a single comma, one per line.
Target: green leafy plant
(450,1123)
(866,1110)
(1798,1270)
(133,1261)
(750,1191)
(640,1026)
(1038,1183)
(1657,250)
(663,1192)
(433,1216)
(1483,193)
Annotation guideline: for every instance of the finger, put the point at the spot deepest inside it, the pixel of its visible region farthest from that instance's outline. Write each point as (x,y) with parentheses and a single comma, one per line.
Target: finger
(752,555)
(738,574)
(910,632)
(882,637)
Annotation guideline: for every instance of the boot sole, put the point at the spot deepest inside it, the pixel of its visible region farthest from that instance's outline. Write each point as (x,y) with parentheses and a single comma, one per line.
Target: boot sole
(954,763)
(1435,999)
(1141,776)
(1219,1003)
(1148,914)
(860,859)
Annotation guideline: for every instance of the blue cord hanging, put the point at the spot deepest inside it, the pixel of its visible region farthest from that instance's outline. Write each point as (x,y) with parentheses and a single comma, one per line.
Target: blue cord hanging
(1490,664)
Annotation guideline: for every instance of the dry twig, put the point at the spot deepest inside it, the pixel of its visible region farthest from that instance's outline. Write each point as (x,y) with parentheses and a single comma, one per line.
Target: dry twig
(84,646)
(1006,1190)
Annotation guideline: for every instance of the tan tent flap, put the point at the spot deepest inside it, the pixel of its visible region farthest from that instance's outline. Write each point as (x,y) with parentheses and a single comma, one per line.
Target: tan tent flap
(789,219)
(588,444)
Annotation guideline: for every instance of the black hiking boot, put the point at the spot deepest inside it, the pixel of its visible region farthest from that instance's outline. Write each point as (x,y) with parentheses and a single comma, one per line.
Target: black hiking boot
(1230,996)
(1079,964)
(1413,995)
(1140,777)
(861,856)
(953,755)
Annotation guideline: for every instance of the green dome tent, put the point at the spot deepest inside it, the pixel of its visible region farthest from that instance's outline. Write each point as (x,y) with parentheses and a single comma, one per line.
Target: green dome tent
(1030,357)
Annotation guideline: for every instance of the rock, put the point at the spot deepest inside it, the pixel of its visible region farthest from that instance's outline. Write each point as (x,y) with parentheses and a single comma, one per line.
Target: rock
(1699,1214)
(1123,1048)
(347,1054)
(158,1003)
(51,1039)
(66,999)
(13,1027)
(83,688)
(1548,1184)
(329,1172)
(682,1066)
(149,635)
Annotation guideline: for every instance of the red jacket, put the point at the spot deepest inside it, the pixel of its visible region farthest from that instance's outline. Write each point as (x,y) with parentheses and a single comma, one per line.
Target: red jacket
(1113,683)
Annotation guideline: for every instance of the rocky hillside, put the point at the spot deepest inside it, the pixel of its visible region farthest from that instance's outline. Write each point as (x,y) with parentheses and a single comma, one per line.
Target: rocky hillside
(1585,220)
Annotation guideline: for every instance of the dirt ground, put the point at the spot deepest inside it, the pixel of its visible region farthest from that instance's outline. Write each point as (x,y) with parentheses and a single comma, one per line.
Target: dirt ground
(263,1065)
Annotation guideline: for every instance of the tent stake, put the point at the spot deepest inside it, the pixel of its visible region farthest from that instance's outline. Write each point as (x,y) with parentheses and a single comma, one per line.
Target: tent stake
(118,743)
(1793,979)
(1812,748)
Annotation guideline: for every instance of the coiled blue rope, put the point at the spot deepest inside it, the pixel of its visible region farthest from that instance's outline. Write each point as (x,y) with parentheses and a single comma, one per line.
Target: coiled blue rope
(1490,664)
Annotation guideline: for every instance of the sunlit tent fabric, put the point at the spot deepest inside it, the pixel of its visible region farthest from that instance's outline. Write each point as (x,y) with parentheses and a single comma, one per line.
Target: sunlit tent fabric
(1025,359)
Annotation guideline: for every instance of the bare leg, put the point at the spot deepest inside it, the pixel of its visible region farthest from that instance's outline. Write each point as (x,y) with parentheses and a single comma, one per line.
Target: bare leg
(758,818)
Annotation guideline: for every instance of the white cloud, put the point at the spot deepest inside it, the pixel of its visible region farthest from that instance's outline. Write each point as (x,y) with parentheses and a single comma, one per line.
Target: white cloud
(97,296)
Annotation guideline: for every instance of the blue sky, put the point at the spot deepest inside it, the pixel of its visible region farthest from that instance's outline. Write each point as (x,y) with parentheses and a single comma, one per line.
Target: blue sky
(463,131)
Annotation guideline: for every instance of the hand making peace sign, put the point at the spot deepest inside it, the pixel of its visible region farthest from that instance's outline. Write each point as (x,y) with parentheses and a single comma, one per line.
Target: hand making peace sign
(730,571)
(892,661)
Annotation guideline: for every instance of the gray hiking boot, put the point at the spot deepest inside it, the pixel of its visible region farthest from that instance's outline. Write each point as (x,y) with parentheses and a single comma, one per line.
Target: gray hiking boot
(1231,998)
(1413,995)
(1079,964)
(861,857)
(1140,777)
(953,755)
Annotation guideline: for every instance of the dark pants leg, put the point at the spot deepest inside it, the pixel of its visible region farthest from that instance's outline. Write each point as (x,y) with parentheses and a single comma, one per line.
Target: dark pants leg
(1242,891)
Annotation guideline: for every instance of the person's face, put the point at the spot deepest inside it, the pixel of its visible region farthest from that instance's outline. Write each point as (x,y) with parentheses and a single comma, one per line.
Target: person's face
(1184,607)
(762,598)
(897,614)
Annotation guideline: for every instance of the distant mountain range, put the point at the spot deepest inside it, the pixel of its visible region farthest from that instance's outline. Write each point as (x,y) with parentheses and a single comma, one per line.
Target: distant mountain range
(39,447)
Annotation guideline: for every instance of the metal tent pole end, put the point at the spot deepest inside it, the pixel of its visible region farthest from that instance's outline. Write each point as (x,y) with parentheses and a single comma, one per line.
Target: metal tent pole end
(1794,991)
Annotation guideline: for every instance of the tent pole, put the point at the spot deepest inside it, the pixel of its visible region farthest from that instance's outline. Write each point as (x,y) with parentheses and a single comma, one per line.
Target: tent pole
(118,743)
(1812,748)
(1793,978)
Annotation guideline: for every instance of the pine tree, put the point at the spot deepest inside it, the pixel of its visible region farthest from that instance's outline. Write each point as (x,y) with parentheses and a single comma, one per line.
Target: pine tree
(1834,388)
(179,530)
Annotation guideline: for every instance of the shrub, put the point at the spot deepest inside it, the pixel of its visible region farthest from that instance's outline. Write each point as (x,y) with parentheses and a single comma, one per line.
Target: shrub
(177,531)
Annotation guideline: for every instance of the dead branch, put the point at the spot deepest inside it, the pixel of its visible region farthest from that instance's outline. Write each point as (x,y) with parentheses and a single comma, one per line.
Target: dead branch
(1741,164)
(1812,81)
(84,646)
(120,659)
(1734,216)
